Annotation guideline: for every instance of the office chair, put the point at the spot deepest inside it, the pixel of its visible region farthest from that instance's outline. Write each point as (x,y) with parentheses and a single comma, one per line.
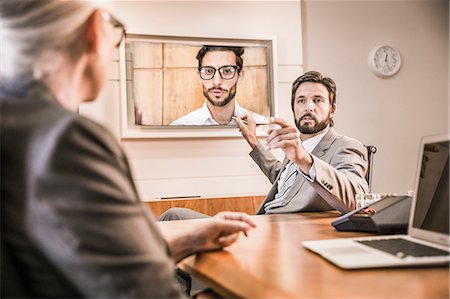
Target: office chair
(371,150)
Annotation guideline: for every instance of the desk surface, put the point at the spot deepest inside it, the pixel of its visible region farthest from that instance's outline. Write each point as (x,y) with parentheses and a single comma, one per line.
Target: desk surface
(272,263)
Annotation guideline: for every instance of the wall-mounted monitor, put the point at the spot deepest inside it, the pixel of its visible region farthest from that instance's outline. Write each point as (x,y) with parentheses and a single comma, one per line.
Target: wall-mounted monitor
(166,92)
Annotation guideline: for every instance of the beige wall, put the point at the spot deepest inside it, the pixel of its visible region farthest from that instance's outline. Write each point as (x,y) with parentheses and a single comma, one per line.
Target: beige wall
(391,113)
(208,167)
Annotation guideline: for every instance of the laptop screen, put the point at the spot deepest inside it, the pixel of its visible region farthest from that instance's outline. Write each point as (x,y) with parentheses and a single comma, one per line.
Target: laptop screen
(432,203)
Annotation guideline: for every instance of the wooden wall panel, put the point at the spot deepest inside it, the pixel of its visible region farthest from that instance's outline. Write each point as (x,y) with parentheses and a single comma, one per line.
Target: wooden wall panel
(147,95)
(254,56)
(182,93)
(252,92)
(209,206)
(146,55)
(179,55)
(130,102)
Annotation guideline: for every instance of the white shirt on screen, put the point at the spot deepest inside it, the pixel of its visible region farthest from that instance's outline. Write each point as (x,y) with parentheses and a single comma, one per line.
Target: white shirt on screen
(202,117)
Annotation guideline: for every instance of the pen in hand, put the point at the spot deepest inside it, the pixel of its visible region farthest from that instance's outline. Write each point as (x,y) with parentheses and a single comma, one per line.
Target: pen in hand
(235,118)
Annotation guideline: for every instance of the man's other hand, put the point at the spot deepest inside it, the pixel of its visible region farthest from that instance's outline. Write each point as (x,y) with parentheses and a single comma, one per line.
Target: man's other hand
(287,137)
(247,127)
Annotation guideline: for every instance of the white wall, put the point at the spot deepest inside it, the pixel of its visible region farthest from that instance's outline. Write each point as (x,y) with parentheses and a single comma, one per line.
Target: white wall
(208,167)
(391,113)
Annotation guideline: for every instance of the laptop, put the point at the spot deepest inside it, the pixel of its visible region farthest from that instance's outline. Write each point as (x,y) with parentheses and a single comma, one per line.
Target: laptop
(427,240)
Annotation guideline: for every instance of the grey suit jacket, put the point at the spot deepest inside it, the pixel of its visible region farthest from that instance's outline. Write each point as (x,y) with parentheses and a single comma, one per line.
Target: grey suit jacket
(340,163)
(70,213)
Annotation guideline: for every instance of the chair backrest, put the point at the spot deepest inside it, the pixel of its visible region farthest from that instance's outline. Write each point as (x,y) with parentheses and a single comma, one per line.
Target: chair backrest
(371,150)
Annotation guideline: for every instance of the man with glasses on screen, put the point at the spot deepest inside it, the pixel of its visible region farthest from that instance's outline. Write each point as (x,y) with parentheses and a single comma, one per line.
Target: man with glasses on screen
(220,70)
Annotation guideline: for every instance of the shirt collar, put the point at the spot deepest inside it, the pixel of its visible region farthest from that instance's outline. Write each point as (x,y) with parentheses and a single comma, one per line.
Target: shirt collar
(312,142)
(206,118)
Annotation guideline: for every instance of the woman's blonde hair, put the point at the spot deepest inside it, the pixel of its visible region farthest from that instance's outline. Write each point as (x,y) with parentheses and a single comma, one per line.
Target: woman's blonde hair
(37,36)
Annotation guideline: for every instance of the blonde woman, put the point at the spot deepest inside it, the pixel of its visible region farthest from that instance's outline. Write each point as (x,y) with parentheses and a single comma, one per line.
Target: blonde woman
(71,219)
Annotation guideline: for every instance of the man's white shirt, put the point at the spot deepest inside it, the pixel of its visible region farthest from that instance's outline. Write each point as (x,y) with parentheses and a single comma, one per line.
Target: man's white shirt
(202,117)
(309,146)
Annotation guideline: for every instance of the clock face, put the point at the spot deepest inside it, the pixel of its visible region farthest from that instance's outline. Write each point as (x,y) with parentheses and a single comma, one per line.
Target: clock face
(385,61)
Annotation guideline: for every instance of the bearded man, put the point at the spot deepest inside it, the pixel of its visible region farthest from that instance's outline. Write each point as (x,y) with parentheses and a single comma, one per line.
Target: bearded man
(322,169)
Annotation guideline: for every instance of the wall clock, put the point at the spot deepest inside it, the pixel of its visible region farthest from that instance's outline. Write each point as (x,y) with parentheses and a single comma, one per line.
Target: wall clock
(385,61)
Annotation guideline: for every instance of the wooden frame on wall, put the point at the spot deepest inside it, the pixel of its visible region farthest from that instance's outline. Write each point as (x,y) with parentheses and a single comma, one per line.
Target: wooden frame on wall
(159,83)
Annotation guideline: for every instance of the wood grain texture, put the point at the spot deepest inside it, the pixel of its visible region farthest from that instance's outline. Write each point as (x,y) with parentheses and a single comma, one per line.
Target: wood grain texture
(272,263)
(182,93)
(209,206)
(147,95)
(252,92)
(146,55)
(255,56)
(180,55)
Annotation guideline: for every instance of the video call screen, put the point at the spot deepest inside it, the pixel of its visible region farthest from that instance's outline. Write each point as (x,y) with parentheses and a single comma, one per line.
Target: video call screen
(163,81)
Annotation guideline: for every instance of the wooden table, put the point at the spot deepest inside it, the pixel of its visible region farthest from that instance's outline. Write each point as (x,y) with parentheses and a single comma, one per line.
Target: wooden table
(272,263)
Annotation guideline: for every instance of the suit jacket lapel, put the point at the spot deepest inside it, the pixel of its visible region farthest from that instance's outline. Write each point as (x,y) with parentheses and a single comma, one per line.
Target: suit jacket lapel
(325,143)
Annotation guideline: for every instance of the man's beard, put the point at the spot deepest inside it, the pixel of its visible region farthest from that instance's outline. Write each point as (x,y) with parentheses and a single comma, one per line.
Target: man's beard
(223,103)
(317,127)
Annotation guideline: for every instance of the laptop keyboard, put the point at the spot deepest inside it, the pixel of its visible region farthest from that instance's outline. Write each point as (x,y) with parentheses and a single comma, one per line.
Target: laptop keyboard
(402,248)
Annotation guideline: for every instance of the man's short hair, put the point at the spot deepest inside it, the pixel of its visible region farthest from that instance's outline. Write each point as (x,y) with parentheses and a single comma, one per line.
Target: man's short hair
(315,77)
(239,51)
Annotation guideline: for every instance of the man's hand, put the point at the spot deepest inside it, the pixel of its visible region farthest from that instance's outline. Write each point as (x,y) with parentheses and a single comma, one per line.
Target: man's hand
(220,231)
(287,137)
(247,127)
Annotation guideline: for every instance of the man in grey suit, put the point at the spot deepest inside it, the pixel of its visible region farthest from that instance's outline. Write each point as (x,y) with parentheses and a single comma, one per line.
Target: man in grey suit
(322,170)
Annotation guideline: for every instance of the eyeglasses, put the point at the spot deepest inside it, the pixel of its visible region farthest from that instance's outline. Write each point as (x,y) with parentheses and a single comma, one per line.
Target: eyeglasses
(119,28)
(226,72)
